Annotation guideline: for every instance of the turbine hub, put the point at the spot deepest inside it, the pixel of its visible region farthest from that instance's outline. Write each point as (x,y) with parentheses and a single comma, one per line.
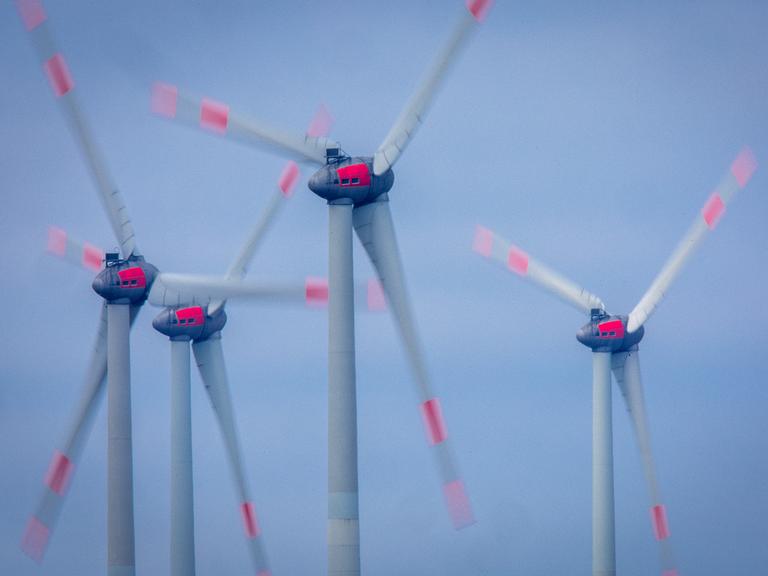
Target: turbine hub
(350,178)
(125,281)
(605,333)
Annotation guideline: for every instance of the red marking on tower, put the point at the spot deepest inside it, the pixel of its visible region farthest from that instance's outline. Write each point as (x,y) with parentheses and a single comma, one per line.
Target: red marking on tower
(321,123)
(479,8)
(59,473)
(31,12)
(164,99)
(35,539)
(57,241)
(250,523)
(483,242)
(659,519)
(132,278)
(316,291)
(58,75)
(611,329)
(193,315)
(354,175)
(375,296)
(459,507)
(517,260)
(744,166)
(713,210)
(92,257)
(288,178)
(214,116)
(433,421)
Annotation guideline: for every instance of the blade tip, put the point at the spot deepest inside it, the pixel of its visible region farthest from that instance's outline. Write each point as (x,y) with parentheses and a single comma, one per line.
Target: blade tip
(164,99)
(483,241)
(35,539)
(375,296)
(459,507)
(288,178)
(479,8)
(744,166)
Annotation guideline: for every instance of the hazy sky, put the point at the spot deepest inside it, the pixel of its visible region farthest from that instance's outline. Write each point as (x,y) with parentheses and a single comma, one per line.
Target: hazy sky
(590,133)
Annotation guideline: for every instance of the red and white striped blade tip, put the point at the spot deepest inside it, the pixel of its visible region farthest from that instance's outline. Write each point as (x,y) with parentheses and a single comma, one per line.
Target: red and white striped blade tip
(483,241)
(744,166)
(214,116)
(660,523)
(35,539)
(31,12)
(60,244)
(321,123)
(250,522)
(375,297)
(288,178)
(316,291)
(164,99)
(479,8)
(459,506)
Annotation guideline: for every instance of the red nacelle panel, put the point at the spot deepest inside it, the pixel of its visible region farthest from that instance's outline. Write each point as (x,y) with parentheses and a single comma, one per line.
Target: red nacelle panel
(611,329)
(132,278)
(354,175)
(192,316)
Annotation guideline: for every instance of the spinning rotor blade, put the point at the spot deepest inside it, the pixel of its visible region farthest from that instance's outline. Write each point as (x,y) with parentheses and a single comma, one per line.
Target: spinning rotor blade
(62,467)
(210,361)
(319,126)
(489,244)
(169,101)
(62,84)
(626,370)
(176,290)
(374,228)
(737,177)
(73,250)
(415,110)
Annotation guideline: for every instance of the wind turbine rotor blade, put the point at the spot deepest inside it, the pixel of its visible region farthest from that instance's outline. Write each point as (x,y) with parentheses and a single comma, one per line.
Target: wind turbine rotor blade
(174,290)
(626,370)
(490,245)
(56,69)
(736,178)
(415,111)
(603,518)
(182,502)
(343,512)
(210,362)
(216,117)
(374,228)
(64,461)
(73,250)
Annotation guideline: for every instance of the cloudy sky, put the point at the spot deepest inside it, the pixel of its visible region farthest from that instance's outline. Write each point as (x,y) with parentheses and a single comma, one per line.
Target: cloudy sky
(590,133)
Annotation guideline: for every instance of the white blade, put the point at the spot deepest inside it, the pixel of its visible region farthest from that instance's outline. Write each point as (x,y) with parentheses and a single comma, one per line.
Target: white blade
(626,370)
(415,110)
(374,228)
(62,84)
(737,177)
(216,117)
(210,361)
(73,250)
(176,290)
(490,245)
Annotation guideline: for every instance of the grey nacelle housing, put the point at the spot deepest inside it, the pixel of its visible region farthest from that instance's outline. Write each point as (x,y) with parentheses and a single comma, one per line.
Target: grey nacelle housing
(191,323)
(608,334)
(126,281)
(352,179)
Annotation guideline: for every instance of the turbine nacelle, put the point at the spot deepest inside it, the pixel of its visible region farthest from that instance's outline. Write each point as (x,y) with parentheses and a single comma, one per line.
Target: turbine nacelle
(606,333)
(351,178)
(125,280)
(189,323)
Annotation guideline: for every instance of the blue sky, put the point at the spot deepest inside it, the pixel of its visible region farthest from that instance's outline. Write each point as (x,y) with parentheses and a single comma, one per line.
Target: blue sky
(590,133)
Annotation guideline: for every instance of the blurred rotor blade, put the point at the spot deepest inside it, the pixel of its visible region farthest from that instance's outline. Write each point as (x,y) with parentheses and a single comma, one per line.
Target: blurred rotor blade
(59,475)
(374,228)
(73,250)
(415,110)
(176,290)
(210,361)
(169,101)
(737,177)
(55,66)
(490,245)
(626,370)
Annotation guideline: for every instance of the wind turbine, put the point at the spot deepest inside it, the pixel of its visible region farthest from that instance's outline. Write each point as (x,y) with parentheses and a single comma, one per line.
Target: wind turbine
(614,341)
(356,191)
(126,283)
